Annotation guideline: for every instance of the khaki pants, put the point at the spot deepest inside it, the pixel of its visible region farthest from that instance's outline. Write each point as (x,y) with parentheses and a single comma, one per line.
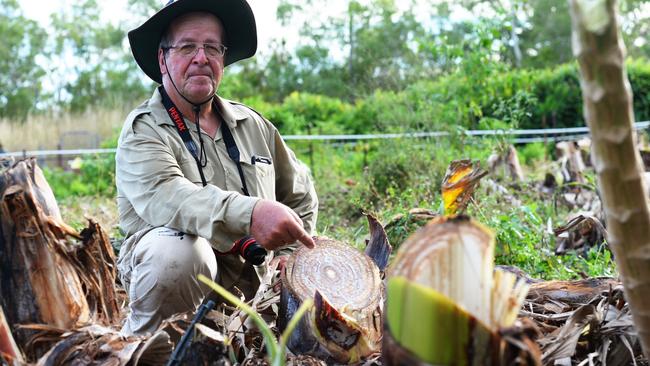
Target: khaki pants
(159,267)
(160,276)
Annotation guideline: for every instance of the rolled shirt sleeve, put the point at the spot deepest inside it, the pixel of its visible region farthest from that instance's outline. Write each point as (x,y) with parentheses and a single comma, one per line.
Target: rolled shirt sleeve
(294,186)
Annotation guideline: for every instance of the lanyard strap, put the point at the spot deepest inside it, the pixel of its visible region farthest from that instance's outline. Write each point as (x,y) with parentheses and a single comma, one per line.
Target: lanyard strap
(177,118)
(233,152)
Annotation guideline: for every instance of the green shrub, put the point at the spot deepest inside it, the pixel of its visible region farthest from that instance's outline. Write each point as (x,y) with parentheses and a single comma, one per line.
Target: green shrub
(533,152)
(95,177)
(303,113)
(560,99)
(638,72)
(461,100)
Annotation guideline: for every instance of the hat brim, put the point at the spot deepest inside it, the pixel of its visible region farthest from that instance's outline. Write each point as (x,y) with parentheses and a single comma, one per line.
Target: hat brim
(235,15)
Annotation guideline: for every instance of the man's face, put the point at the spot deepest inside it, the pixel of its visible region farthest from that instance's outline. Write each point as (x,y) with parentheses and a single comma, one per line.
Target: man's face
(196,76)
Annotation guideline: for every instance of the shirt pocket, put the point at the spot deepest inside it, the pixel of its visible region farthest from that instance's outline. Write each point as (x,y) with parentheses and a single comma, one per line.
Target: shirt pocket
(260,175)
(190,171)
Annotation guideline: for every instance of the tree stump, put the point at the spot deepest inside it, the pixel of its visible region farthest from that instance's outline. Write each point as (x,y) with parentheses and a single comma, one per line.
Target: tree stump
(49,273)
(346,322)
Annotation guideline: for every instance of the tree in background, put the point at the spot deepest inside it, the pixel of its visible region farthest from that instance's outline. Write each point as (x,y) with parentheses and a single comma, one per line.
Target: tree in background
(349,50)
(20,76)
(345,55)
(636,27)
(538,33)
(99,70)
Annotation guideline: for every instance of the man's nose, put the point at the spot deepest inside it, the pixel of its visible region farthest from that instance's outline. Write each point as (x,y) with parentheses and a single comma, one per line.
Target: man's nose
(200,56)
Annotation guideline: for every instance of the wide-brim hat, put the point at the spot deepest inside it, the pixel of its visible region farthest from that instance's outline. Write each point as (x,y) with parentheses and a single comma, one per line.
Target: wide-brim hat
(235,15)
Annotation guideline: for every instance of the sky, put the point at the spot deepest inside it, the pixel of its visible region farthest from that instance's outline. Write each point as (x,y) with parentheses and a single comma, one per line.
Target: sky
(268,26)
(264,11)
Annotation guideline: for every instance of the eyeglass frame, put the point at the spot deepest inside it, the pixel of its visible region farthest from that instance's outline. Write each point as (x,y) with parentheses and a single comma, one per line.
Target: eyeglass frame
(217,46)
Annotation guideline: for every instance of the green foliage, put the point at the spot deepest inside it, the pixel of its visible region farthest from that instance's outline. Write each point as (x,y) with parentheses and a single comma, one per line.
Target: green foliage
(390,179)
(638,72)
(304,113)
(532,153)
(94,177)
(522,242)
(389,111)
(547,39)
(560,99)
(397,165)
(104,73)
(22,41)
(496,99)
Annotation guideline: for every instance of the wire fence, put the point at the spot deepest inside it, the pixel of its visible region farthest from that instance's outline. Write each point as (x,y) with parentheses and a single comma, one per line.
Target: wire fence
(518,137)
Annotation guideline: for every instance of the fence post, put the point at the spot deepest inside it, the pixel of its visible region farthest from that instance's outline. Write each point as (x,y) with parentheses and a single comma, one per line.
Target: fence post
(311,151)
(59,157)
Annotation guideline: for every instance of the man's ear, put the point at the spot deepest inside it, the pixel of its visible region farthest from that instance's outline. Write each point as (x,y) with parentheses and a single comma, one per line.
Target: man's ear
(161,61)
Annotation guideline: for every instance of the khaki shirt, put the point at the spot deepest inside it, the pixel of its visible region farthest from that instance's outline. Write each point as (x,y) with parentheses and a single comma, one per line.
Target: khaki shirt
(158,181)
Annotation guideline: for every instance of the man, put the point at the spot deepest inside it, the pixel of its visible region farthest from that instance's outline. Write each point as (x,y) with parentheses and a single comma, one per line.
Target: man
(197,174)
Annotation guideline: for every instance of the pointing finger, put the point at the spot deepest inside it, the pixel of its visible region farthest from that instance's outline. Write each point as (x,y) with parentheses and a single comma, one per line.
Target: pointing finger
(301,235)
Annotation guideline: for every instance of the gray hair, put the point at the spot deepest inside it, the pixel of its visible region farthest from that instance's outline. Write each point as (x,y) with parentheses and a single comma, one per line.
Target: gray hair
(165,41)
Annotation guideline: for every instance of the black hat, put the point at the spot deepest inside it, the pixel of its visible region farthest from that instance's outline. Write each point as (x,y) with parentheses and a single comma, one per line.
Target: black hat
(235,15)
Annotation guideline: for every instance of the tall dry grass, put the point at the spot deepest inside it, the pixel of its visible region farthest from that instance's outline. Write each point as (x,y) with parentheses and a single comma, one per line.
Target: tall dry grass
(65,130)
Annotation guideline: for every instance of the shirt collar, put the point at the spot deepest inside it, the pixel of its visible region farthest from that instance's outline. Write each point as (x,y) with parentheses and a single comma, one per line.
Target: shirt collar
(229,113)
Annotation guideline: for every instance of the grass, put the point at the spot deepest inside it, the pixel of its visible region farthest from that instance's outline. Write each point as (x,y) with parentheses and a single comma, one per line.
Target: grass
(76,210)
(403,176)
(64,130)
(387,178)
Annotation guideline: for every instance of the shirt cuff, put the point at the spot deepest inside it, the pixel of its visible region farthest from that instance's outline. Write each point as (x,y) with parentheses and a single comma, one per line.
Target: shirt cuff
(238,217)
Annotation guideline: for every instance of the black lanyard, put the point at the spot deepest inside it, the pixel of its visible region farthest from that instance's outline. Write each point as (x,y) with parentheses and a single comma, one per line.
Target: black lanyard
(177,118)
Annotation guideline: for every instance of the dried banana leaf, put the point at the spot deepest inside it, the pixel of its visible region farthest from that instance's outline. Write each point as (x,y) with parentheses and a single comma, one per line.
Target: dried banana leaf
(460,181)
(98,345)
(581,232)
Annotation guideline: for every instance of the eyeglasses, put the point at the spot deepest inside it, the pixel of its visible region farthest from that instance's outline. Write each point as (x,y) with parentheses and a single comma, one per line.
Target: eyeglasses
(190,49)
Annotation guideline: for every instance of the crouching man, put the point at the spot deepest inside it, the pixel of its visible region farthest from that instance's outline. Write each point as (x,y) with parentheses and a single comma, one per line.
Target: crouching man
(200,179)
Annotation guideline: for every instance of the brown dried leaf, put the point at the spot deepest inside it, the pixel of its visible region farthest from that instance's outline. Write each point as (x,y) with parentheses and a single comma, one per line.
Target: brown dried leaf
(583,231)
(564,344)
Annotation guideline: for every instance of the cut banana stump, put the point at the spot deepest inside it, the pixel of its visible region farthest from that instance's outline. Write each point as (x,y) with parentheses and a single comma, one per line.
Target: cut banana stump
(345,324)
(445,303)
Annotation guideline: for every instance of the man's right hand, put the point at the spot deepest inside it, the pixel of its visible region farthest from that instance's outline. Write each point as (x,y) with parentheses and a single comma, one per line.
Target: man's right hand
(274,225)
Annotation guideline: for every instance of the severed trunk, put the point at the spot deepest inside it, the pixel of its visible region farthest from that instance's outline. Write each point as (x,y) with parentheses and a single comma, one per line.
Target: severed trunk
(445,303)
(346,322)
(514,167)
(38,284)
(510,161)
(572,165)
(49,273)
(608,111)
